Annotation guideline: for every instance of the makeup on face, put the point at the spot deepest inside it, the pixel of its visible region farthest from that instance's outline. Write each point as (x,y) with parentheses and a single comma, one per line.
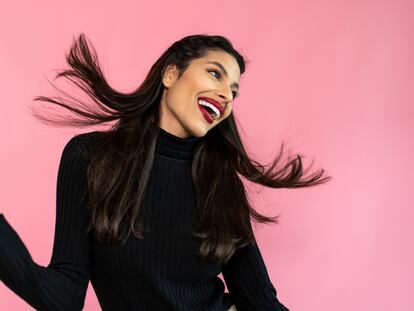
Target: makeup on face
(211,83)
(206,114)
(210,108)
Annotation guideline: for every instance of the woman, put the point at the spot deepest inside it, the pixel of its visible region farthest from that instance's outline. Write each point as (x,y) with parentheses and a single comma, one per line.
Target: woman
(169,172)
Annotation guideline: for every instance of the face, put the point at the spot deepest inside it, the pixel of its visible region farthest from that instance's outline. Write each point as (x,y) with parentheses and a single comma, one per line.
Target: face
(181,113)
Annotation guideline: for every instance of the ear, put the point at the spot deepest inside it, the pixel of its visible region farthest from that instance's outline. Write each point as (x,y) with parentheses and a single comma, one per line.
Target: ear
(170,75)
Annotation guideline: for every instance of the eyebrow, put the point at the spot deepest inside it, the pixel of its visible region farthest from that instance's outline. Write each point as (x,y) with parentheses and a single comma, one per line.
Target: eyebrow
(236,85)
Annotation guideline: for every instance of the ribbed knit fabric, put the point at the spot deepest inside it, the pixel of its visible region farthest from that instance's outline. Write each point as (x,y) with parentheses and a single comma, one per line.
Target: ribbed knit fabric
(160,272)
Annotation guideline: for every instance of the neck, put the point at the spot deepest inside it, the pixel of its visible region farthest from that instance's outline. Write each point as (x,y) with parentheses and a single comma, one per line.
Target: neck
(174,146)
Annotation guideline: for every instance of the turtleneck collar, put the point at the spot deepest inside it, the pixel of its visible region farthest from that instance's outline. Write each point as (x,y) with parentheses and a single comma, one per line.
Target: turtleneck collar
(176,147)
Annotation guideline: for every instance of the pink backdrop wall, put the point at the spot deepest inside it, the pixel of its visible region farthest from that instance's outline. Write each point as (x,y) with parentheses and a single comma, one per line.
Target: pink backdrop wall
(333,79)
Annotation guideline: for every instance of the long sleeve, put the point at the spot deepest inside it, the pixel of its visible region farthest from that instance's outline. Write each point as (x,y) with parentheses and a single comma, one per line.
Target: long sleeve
(248,281)
(63,283)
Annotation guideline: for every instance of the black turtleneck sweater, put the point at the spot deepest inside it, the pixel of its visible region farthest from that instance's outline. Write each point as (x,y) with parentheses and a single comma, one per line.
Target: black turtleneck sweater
(160,272)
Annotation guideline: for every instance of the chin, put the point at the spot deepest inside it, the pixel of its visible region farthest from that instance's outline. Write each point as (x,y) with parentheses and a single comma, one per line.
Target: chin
(198,130)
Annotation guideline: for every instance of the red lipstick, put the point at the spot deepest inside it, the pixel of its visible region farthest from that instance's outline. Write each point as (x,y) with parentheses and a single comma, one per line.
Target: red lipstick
(205,113)
(214,103)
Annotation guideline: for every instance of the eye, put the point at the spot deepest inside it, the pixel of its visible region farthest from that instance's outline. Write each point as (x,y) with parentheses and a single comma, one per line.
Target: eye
(216,71)
(218,77)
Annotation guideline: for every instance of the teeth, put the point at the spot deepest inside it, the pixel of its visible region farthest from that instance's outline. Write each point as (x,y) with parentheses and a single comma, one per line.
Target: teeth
(204,103)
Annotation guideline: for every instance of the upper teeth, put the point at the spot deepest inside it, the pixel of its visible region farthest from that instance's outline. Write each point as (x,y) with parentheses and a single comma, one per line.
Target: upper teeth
(204,103)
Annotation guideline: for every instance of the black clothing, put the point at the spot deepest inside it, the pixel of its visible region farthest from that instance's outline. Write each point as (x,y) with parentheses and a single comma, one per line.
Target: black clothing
(160,272)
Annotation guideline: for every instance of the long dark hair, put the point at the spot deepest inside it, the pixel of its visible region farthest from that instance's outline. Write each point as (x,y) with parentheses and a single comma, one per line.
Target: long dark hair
(116,192)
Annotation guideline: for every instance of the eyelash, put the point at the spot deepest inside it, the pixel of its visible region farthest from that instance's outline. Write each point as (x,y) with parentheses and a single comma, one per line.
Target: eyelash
(219,75)
(216,71)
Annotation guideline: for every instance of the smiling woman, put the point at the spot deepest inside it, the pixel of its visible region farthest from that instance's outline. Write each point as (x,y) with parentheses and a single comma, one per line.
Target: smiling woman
(154,209)
(198,95)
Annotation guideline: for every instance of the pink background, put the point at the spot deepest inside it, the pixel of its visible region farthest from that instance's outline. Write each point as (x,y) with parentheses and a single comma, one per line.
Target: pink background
(333,79)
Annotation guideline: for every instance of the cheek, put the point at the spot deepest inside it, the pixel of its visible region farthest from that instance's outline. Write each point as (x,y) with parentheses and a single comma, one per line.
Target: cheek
(227,111)
(176,99)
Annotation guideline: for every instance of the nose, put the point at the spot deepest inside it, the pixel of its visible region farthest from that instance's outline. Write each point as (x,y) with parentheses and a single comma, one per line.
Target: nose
(226,94)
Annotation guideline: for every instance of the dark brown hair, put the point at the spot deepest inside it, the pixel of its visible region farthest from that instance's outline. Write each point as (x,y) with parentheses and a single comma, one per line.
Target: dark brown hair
(116,192)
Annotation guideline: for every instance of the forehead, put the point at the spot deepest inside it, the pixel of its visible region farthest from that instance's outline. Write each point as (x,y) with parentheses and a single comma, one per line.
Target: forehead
(227,60)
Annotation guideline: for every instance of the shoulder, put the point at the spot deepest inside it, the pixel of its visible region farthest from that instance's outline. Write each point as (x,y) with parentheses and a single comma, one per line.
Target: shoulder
(80,145)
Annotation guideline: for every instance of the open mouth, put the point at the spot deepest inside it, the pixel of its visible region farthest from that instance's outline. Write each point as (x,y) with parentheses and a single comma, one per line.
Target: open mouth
(212,111)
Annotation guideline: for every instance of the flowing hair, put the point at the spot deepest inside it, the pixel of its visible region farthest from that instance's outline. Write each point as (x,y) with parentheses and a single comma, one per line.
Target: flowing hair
(116,191)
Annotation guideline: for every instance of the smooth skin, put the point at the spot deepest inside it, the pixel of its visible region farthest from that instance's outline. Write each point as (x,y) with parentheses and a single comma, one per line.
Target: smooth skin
(180,114)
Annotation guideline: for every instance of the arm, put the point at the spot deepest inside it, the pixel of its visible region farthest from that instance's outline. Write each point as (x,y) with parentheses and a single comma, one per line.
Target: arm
(63,283)
(248,281)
